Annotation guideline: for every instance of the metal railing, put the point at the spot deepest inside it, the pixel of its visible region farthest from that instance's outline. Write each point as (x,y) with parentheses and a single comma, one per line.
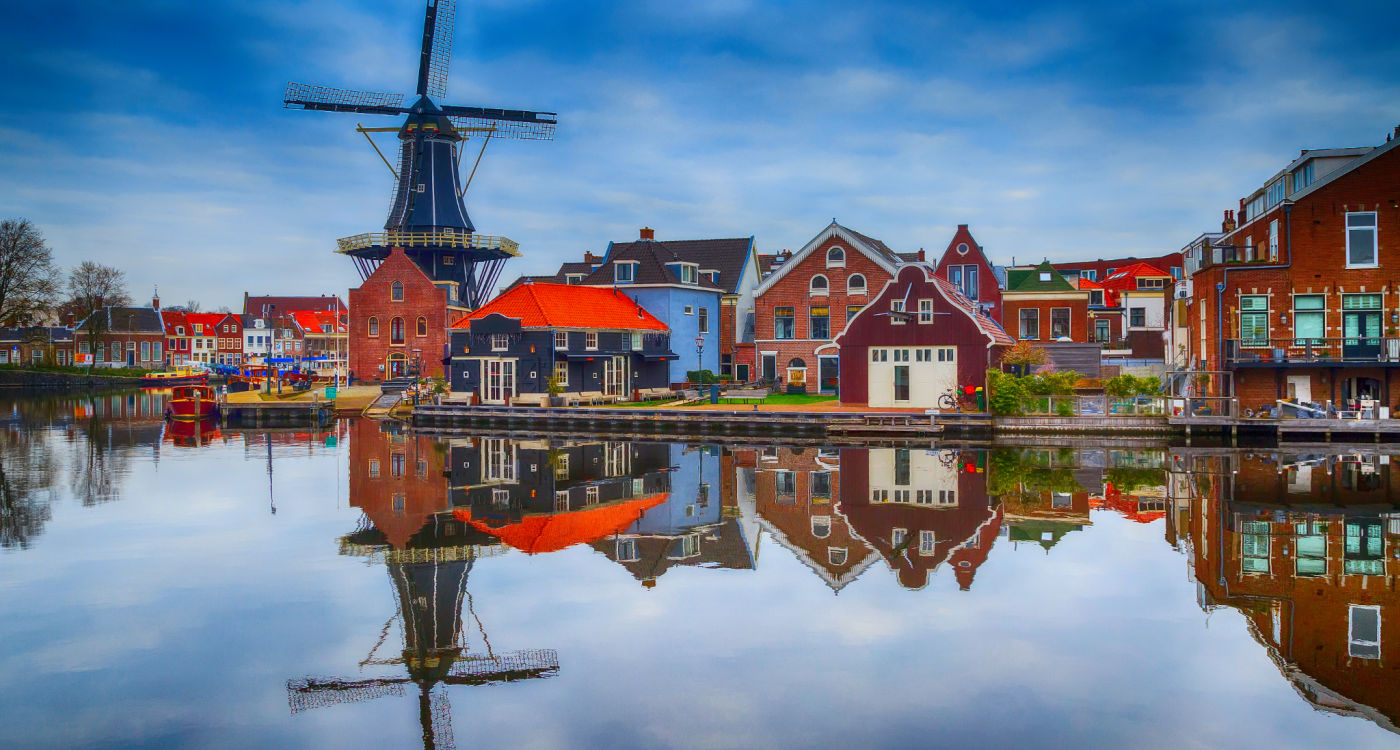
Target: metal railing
(1289,351)
(1093,406)
(428,239)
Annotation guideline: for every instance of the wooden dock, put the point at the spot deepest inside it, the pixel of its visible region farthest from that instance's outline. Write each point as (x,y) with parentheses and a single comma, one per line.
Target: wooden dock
(1291,430)
(689,421)
(258,413)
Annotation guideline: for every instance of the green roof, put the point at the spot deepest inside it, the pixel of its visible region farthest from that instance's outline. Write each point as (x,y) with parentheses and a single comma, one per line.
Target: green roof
(1030,279)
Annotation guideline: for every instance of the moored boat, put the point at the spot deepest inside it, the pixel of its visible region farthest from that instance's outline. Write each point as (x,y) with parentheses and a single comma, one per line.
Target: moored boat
(192,402)
(181,376)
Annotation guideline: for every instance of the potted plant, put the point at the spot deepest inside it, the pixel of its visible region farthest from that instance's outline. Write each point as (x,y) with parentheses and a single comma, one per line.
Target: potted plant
(555,387)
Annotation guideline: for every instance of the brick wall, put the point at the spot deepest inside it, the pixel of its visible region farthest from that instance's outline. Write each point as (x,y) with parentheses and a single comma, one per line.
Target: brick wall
(1313,234)
(369,355)
(1078,316)
(793,290)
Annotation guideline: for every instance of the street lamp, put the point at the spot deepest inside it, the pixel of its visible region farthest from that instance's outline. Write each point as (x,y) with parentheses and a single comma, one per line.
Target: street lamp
(699,359)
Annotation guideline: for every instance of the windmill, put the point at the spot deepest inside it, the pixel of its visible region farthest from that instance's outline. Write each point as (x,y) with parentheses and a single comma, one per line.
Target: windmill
(430,587)
(427,217)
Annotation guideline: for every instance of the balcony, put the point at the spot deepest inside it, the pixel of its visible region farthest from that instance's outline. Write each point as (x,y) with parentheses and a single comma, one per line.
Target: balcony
(1311,352)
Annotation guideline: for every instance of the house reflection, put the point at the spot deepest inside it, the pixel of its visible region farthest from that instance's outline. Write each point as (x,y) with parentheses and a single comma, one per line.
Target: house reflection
(399,480)
(921,508)
(1305,547)
(701,523)
(795,492)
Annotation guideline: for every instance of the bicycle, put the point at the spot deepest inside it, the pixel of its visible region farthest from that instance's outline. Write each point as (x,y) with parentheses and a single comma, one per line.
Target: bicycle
(952,400)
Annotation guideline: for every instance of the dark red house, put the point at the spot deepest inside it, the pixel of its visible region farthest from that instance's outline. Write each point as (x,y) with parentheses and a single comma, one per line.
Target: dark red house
(918,339)
(966,267)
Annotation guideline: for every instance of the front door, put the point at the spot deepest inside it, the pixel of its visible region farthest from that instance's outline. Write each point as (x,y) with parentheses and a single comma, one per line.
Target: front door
(827,374)
(901,383)
(1361,326)
(616,377)
(497,381)
(398,365)
(769,365)
(130,358)
(741,373)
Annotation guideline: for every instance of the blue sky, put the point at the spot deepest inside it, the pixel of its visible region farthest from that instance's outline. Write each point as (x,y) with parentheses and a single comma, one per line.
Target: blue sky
(149,134)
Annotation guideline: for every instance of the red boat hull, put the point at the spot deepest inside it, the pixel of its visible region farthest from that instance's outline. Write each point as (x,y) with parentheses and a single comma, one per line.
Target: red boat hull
(191,409)
(170,382)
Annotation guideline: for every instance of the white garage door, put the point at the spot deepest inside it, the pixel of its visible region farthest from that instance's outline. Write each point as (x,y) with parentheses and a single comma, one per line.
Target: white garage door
(913,376)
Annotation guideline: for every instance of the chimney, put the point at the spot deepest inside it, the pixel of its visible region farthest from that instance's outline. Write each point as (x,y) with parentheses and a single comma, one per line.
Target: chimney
(648,233)
(155,298)
(921,255)
(1228,225)
(591,259)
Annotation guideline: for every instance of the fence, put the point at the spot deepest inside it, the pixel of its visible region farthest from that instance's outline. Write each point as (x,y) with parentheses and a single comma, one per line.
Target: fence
(1093,406)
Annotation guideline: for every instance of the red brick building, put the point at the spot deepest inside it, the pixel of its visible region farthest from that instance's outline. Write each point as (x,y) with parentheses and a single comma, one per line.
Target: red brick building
(805,303)
(1308,305)
(398,322)
(965,265)
(893,356)
(1041,305)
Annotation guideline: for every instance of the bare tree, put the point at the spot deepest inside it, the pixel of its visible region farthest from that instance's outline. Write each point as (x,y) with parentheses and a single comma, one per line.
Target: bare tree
(192,305)
(91,288)
(27,276)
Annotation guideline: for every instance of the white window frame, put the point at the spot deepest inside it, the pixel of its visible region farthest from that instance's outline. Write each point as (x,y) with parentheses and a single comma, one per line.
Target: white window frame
(500,342)
(812,286)
(839,262)
(561,341)
(561,371)
(1352,642)
(1375,238)
(1273,239)
(851,289)
(590,340)
(703,322)
(625,278)
(925,311)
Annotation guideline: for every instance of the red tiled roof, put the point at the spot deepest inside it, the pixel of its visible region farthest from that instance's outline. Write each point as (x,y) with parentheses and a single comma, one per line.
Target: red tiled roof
(208,320)
(312,320)
(1126,278)
(567,306)
(550,533)
(1110,297)
(173,318)
(984,321)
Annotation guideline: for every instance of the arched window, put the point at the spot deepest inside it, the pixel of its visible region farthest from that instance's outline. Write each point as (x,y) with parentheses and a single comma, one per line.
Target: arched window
(396,331)
(422,326)
(396,291)
(819,284)
(796,362)
(855,284)
(374,326)
(836,258)
(821,526)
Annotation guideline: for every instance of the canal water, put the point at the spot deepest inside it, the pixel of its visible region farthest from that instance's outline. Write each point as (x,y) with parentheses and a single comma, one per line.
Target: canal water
(170,585)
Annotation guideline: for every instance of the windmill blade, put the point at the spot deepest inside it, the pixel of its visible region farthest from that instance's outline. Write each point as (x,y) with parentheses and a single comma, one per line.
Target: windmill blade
(328,99)
(303,695)
(530,664)
(516,124)
(437,48)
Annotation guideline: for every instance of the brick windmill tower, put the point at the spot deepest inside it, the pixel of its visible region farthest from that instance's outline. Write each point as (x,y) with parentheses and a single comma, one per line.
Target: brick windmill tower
(429,266)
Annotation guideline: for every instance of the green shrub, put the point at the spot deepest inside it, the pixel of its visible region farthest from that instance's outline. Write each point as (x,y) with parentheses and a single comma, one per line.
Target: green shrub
(1129,386)
(703,377)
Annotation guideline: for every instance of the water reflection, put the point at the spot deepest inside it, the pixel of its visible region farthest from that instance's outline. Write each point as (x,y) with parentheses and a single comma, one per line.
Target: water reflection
(1304,545)
(1295,551)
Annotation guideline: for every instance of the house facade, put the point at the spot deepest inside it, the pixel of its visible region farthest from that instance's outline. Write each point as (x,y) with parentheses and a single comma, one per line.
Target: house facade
(1140,292)
(1041,305)
(810,297)
(1301,298)
(918,339)
(37,345)
(685,284)
(1098,270)
(595,340)
(325,337)
(398,322)
(123,337)
(965,265)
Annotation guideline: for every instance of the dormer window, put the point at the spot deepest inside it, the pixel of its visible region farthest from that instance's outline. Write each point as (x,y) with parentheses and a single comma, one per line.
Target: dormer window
(836,258)
(1096,297)
(179,330)
(199,328)
(1044,275)
(625,272)
(687,272)
(573,278)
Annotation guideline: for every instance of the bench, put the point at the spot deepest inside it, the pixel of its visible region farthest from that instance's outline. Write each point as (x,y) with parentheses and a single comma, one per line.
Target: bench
(530,399)
(746,394)
(652,394)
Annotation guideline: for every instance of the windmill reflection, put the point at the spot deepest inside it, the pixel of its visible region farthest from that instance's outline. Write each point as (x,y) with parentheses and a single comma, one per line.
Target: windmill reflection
(399,482)
(1307,548)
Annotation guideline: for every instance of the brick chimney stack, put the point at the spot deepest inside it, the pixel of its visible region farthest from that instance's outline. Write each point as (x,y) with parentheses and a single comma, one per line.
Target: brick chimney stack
(648,233)
(1228,225)
(591,259)
(921,255)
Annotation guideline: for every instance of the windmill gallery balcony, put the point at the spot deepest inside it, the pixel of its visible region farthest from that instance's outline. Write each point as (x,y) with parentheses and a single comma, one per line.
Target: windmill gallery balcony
(445,239)
(1292,352)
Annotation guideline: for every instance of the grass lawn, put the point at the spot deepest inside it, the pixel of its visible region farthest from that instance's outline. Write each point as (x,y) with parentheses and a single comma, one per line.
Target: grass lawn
(786,399)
